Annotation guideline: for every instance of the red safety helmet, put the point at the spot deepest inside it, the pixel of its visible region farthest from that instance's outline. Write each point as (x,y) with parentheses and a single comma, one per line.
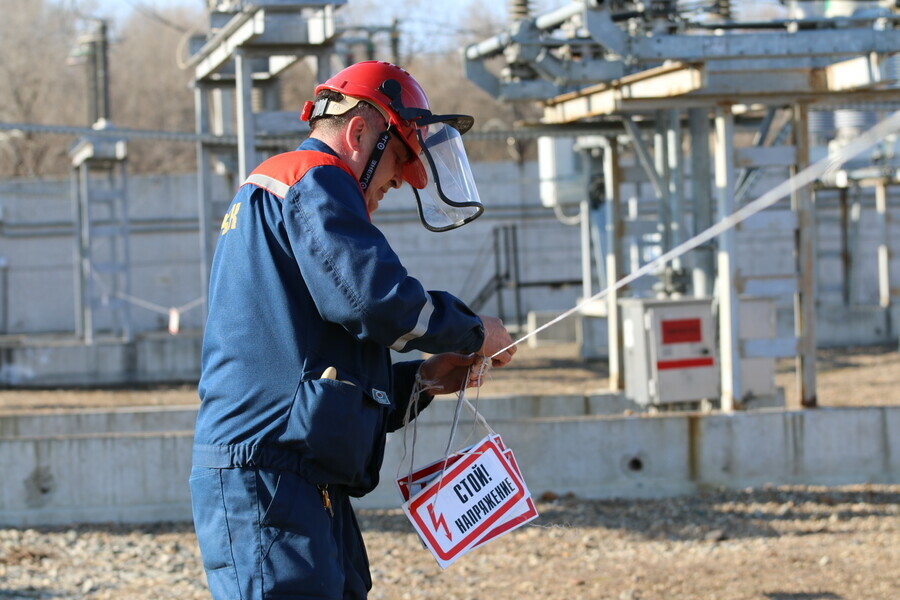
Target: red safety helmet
(451,198)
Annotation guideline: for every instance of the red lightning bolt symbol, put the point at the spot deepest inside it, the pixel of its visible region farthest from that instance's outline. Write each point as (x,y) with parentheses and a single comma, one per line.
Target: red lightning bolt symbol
(441,521)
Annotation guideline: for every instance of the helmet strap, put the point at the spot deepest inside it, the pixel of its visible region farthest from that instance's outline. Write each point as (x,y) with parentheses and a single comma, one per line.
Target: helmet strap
(374,159)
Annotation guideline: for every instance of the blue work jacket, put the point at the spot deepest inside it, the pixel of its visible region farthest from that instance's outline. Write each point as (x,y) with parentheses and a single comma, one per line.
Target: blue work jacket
(301,281)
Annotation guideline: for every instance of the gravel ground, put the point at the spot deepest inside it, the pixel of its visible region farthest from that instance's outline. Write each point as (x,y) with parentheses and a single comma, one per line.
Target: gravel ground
(778,543)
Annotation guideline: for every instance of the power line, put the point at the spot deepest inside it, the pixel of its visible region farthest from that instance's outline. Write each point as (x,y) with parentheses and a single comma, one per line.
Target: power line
(155,16)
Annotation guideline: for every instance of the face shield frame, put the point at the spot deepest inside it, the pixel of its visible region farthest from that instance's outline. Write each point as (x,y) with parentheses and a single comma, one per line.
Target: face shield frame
(437,208)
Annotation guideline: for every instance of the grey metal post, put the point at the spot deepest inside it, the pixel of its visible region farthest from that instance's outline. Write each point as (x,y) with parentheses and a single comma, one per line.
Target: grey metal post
(729,316)
(884,252)
(844,216)
(125,238)
(4,285)
(513,243)
(78,252)
(805,298)
(675,169)
(245,127)
(84,240)
(615,230)
(661,164)
(701,176)
(499,234)
(584,215)
(204,200)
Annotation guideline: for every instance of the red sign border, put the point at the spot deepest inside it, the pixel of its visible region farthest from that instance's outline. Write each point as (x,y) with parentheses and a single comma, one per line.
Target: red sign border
(521,519)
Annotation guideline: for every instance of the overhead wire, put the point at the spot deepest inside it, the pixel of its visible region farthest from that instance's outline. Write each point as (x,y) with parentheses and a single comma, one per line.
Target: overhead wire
(154,15)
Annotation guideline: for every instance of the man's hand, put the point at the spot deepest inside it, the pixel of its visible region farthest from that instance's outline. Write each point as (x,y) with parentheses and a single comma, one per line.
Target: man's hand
(445,373)
(496,338)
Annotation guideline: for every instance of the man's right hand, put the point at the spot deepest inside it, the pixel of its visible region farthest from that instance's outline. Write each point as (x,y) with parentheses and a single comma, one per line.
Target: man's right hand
(496,338)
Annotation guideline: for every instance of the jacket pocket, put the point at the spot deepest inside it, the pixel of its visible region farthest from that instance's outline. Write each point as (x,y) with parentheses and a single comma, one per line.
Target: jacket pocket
(342,427)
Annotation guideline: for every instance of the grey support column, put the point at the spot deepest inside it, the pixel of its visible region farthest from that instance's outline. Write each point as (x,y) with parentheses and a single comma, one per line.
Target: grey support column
(884,252)
(204,190)
(729,316)
(701,176)
(246,131)
(615,229)
(805,298)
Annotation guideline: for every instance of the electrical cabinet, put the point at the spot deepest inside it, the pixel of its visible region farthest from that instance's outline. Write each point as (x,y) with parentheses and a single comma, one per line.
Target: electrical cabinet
(670,351)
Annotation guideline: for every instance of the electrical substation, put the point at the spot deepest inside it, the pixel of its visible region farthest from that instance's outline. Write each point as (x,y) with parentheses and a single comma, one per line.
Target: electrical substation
(658,121)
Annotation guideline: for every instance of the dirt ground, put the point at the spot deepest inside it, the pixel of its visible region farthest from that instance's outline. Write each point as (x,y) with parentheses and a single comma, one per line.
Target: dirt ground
(861,376)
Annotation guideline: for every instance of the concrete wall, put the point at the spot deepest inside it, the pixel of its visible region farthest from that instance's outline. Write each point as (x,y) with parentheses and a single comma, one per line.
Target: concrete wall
(132,465)
(36,285)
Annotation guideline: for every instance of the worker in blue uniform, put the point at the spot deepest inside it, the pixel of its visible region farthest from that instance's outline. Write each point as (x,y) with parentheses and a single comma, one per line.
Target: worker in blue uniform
(306,300)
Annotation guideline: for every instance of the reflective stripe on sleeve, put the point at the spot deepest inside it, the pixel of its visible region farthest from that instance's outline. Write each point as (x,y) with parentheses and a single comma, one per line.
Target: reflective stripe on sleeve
(279,188)
(420,328)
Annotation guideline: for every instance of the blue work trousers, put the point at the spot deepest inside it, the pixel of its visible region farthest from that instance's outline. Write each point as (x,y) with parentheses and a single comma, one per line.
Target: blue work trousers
(266,534)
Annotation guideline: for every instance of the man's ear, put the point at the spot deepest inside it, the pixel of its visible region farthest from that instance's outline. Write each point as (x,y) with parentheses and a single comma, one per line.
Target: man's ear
(354,132)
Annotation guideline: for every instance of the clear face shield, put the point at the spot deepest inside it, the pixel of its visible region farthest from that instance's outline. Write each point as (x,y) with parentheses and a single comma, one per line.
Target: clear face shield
(450,198)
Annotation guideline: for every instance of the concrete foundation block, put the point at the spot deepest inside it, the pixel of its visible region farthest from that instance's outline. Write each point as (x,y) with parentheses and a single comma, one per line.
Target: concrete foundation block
(95,478)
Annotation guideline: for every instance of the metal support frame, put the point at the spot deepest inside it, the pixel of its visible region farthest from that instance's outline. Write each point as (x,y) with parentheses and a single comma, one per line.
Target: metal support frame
(102,253)
(612,46)
(240,59)
(829,62)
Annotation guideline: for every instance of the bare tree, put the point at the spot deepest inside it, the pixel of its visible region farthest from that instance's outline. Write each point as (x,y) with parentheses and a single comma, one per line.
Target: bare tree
(36,86)
(150,90)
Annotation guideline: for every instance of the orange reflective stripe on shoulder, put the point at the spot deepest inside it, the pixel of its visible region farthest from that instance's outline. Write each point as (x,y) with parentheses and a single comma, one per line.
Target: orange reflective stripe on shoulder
(279,173)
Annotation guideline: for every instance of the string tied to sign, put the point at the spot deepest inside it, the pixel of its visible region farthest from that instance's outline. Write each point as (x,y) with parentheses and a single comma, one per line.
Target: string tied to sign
(422,386)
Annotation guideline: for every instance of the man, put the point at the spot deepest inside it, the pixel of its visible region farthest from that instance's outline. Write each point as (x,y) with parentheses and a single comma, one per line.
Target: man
(306,299)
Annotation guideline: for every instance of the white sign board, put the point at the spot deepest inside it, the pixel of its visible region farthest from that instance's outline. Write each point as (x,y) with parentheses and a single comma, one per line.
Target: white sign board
(467,499)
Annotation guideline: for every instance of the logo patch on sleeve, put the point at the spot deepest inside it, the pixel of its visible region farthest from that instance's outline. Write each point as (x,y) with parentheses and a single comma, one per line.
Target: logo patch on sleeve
(380,397)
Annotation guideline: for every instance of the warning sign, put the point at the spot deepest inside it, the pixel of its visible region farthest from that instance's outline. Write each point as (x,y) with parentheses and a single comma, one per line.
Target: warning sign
(479,496)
